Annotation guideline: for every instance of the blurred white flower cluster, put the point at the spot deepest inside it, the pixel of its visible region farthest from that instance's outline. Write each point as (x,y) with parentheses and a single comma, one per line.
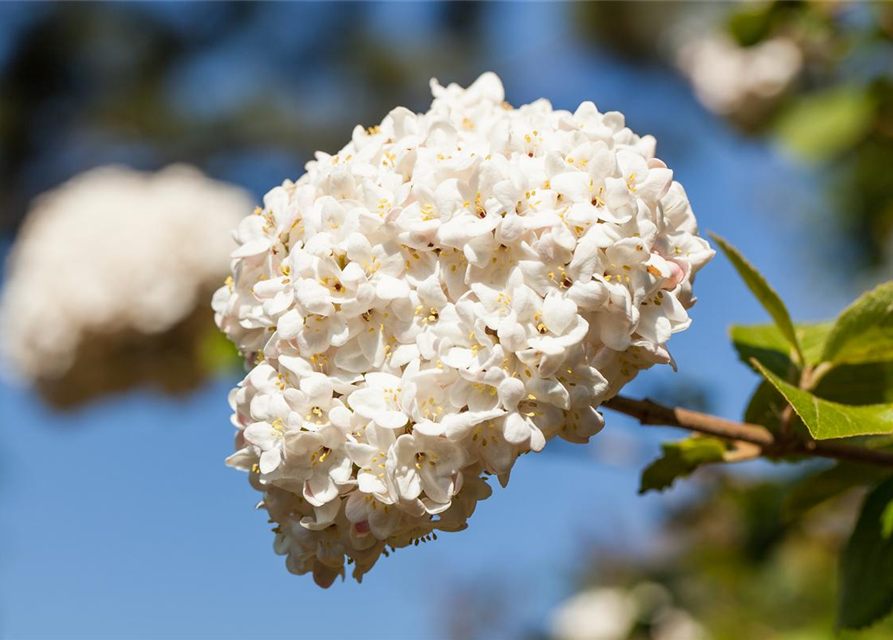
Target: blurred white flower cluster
(113,250)
(449,291)
(645,611)
(736,81)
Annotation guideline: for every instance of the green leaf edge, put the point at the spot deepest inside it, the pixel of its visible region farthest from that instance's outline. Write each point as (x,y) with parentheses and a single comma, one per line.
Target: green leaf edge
(760,287)
(887,603)
(835,340)
(780,384)
(666,450)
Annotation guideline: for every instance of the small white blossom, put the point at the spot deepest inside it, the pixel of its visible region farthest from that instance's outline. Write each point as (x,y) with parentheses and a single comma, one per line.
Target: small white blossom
(449,291)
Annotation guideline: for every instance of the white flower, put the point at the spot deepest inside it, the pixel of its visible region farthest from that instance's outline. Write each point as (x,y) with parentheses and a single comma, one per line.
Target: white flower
(112,260)
(270,439)
(426,463)
(598,614)
(319,461)
(379,401)
(370,454)
(449,291)
(615,614)
(736,81)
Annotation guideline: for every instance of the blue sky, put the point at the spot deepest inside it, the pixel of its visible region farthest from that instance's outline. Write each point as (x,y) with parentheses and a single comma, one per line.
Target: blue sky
(120,520)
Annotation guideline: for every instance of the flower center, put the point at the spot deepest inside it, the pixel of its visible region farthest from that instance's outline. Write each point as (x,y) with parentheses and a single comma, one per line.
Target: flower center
(319,455)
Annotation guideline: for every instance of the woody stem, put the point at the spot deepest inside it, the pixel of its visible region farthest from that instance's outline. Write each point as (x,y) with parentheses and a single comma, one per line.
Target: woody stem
(648,412)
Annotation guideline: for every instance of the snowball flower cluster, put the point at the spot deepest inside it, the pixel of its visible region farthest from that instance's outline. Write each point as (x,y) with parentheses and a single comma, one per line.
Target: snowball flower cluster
(449,291)
(113,250)
(736,81)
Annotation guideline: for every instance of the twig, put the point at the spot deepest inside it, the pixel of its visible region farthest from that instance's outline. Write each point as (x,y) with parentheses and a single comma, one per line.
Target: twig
(648,412)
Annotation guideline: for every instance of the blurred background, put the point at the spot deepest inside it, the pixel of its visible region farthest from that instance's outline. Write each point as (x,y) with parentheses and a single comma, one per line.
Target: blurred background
(118,518)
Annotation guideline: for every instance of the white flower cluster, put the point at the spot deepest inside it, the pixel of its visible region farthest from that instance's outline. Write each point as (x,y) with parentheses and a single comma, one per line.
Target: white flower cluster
(450,290)
(113,250)
(617,614)
(736,81)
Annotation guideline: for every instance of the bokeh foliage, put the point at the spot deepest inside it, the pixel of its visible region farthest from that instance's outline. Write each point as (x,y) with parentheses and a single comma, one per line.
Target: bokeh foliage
(837,116)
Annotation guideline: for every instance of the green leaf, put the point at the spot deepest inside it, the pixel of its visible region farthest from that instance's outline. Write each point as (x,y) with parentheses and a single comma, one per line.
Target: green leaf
(865,383)
(765,344)
(870,383)
(765,407)
(824,124)
(887,521)
(812,339)
(751,24)
(763,292)
(820,487)
(680,459)
(826,419)
(866,568)
(864,331)
(217,354)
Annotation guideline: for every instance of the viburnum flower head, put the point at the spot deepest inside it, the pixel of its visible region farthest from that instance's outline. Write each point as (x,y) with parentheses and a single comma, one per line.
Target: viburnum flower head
(107,262)
(450,290)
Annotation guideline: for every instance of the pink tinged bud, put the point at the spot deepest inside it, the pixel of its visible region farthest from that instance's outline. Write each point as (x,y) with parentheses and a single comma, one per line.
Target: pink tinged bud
(677,275)
(362,527)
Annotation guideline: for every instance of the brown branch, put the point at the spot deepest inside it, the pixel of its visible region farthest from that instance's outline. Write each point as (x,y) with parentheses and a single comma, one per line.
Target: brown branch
(648,412)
